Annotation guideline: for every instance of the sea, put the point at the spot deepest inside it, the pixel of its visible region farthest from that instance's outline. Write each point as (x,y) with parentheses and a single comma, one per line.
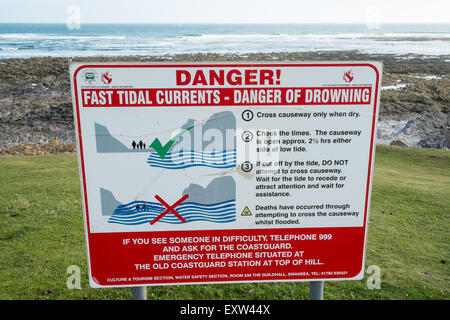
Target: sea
(24,40)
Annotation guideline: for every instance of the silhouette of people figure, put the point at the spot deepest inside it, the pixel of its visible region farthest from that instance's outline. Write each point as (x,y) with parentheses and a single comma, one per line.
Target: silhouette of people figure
(140,144)
(144,145)
(134,144)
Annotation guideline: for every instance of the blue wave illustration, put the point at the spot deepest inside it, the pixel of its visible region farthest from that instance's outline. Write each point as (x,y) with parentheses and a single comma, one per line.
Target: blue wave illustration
(140,212)
(184,159)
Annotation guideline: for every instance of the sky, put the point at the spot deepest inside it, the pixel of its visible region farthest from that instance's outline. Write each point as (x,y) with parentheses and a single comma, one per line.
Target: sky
(226,11)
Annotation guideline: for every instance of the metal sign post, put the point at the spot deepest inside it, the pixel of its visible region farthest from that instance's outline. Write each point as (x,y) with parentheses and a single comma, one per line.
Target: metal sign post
(316,290)
(139,293)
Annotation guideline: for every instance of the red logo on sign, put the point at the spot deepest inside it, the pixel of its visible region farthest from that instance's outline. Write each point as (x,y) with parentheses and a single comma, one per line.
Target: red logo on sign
(106,78)
(348,76)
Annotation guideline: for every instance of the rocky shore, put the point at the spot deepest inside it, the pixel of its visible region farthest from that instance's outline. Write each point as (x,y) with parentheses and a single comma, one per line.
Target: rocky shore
(36,107)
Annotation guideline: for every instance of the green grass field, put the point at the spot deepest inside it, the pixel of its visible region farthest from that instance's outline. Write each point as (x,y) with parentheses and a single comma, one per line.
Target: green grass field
(41,234)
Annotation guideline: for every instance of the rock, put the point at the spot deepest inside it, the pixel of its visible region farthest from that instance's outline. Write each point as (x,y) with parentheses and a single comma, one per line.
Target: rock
(36,114)
(427,130)
(409,127)
(398,143)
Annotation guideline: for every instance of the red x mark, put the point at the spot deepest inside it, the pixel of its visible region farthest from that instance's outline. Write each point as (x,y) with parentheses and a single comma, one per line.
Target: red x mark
(170,209)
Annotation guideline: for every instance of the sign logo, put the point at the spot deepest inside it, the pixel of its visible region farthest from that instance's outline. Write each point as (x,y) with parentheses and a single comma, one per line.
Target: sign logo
(348,76)
(106,78)
(90,76)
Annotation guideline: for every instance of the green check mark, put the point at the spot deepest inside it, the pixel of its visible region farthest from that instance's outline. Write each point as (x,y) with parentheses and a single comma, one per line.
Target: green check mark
(162,150)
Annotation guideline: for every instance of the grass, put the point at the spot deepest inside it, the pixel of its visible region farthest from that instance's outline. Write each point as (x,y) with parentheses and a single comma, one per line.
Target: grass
(41,234)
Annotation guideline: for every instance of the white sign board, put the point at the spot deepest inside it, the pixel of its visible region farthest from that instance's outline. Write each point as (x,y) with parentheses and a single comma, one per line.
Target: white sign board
(199,173)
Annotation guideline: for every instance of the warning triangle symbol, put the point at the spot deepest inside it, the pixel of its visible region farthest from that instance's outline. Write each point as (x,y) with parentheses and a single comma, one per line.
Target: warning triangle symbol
(246,212)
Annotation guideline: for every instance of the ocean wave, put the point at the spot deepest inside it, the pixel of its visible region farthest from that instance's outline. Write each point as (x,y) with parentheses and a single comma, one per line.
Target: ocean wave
(170,217)
(188,159)
(192,35)
(324,36)
(132,211)
(185,159)
(140,212)
(35,36)
(137,40)
(179,156)
(172,222)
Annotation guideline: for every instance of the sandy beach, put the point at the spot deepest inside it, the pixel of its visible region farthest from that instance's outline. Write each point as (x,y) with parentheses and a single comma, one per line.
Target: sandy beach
(36,108)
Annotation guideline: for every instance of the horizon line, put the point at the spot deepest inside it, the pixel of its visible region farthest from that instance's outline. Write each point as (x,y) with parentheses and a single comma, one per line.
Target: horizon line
(221,23)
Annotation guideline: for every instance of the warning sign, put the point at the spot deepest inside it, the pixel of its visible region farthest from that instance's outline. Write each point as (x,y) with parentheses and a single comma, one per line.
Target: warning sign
(200,173)
(246,212)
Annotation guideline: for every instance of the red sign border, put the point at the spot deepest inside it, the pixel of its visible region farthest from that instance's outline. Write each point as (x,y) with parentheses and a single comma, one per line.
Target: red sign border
(211,65)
